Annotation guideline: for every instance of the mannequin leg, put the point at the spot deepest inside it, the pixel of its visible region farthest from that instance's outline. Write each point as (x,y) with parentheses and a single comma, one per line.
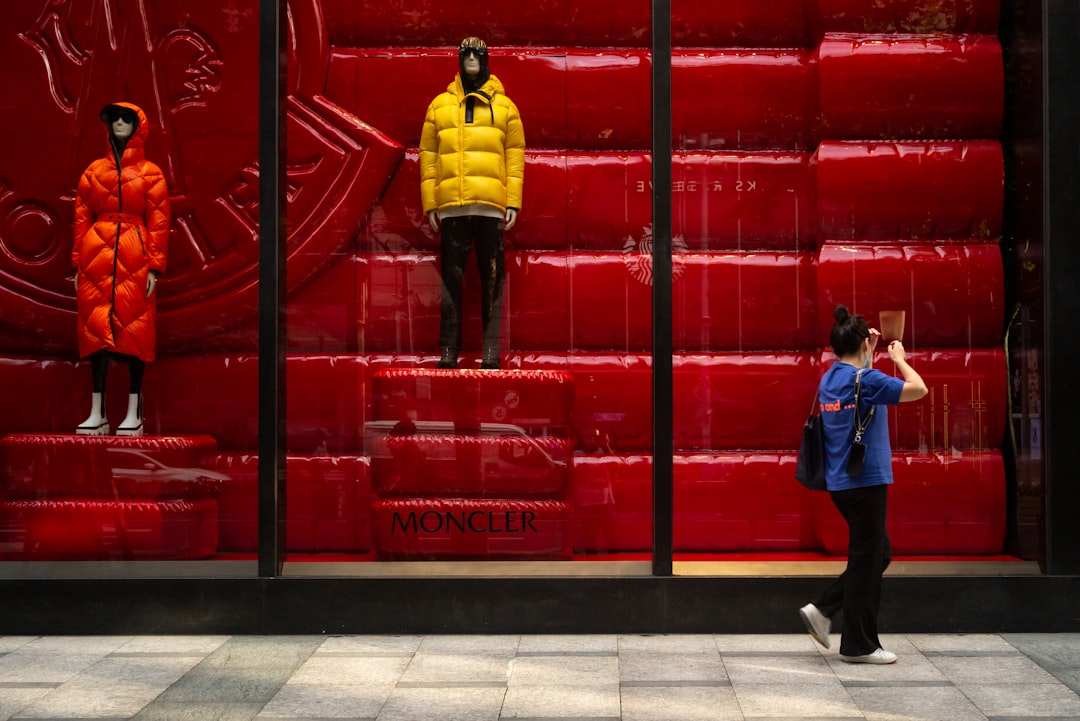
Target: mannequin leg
(132,425)
(96,424)
(492,266)
(454,249)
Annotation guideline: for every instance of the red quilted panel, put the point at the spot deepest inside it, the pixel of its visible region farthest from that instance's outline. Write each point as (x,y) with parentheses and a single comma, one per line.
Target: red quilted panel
(501,465)
(894,191)
(739,502)
(90,530)
(57,466)
(944,503)
(612,498)
(540,402)
(952,295)
(328,503)
(456,528)
(906,86)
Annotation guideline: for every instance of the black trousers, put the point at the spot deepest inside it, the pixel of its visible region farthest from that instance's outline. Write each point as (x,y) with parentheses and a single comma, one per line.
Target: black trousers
(857,591)
(99,369)
(458,235)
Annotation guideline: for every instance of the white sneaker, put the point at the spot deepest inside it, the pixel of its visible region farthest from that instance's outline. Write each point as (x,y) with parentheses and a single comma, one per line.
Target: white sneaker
(817,623)
(881,656)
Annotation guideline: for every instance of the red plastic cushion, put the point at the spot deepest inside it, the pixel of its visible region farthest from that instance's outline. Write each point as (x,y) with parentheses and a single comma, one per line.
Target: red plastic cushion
(91,529)
(328,503)
(894,191)
(43,466)
(489,466)
(906,86)
(540,402)
(945,503)
(739,502)
(423,528)
(953,295)
(613,502)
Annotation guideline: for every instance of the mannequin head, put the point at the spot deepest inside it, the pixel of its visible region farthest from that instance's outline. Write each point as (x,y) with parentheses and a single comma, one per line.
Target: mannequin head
(473,63)
(122,122)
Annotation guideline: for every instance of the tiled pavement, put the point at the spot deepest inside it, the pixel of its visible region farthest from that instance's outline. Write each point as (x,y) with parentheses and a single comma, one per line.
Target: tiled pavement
(639,677)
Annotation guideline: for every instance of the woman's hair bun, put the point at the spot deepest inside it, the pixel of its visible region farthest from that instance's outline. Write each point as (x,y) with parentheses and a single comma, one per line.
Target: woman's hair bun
(841,314)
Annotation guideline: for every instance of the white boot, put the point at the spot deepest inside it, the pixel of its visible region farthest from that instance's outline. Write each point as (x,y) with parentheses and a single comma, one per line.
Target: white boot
(96,424)
(132,425)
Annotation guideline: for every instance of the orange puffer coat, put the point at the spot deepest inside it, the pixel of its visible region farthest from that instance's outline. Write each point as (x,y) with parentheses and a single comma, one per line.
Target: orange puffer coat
(121,234)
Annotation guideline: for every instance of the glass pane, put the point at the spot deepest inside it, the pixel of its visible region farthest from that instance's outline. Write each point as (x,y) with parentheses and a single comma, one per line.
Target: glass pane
(832,153)
(545,457)
(131,396)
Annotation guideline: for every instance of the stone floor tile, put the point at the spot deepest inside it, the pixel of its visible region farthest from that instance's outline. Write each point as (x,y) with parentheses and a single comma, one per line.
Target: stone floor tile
(807,700)
(685,703)
(282,652)
(457,667)
(991,669)
(327,701)
(51,668)
(75,645)
(949,642)
(487,645)
(235,686)
(1011,699)
(768,643)
(351,669)
(14,700)
(778,670)
(905,703)
(585,643)
(673,643)
(564,671)
(199,711)
(14,643)
(443,704)
(116,701)
(545,702)
(196,645)
(372,645)
(671,667)
(908,667)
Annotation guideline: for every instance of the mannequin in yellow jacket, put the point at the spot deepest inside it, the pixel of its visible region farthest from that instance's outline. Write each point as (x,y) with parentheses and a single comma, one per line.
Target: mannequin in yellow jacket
(472,167)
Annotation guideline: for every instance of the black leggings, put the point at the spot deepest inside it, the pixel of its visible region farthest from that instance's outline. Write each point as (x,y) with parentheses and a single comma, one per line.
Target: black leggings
(99,368)
(857,591)
(458,234)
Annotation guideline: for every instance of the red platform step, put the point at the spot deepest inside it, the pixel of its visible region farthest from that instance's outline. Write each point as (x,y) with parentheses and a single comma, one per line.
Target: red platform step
(97,529)
(57,466)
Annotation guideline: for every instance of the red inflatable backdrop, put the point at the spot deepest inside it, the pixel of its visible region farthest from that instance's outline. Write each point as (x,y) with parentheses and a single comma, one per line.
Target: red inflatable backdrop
(825,151)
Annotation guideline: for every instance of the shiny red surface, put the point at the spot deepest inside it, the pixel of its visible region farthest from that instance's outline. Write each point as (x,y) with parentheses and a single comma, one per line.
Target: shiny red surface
(328,503)
(507,463)
(601,201)
(106,530)
(889,86)
(890,191)
(431,528)
(62,466)
(950,502)
(953,295)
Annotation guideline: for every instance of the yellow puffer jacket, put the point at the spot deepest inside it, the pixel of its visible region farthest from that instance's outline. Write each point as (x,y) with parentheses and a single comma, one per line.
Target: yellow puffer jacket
(477,159)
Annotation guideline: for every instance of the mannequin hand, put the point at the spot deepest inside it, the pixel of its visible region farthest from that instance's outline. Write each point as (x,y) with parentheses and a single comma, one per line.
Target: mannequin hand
(511,218)
(76,282)
(151,283)
(433,219)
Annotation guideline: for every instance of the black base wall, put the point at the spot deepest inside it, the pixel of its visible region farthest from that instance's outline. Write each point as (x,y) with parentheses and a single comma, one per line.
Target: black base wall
(519,605)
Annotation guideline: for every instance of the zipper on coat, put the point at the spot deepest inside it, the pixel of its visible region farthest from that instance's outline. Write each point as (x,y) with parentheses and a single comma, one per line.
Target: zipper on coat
(116,242)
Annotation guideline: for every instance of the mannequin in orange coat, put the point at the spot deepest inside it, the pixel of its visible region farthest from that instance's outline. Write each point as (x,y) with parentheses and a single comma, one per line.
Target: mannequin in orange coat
(121,241)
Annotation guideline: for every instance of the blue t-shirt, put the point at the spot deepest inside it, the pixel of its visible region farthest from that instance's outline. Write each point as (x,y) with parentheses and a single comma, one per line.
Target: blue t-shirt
(836,394)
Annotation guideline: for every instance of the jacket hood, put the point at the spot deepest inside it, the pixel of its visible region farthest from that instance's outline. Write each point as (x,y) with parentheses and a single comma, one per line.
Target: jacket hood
(137,141)
(490,88)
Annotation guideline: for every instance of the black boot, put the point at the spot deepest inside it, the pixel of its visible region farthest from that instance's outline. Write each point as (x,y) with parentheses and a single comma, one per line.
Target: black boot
(490,359)
(449,358)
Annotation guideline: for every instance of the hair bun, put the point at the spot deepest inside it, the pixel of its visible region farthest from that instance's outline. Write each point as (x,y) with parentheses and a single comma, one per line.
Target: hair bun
(841,314)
